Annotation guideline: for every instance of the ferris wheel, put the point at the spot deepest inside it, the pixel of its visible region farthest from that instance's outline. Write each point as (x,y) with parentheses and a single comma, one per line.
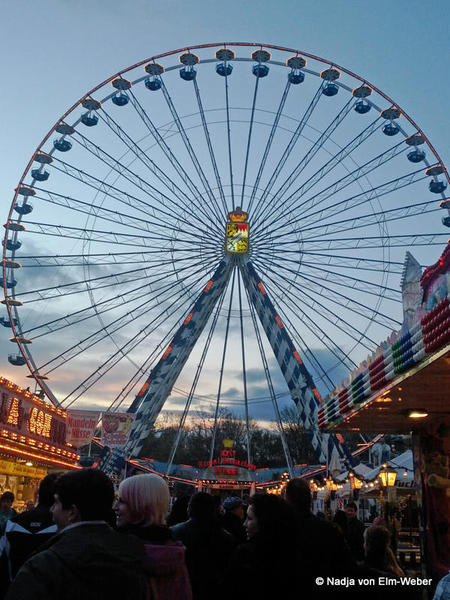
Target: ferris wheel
(219,225)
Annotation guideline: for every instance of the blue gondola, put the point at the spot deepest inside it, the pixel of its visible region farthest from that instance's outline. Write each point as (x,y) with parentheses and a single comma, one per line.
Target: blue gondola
(437,187)
(391,129)
(296,77)
(416,155)
(362,107)
(13,244)
(6,322)
(260,70)
(89,120)
(224,69)
(62,145)
(187,73)
(153,84)
(120,99)
(23,209)
(16,360)
(330,89)
(40,175)
(446,221)
(10,283)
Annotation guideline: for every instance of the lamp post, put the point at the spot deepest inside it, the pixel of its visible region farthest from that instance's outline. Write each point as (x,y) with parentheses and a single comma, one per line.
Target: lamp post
(388,478)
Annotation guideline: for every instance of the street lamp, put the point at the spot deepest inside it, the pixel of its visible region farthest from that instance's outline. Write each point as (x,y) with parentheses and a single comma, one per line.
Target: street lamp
(388,478)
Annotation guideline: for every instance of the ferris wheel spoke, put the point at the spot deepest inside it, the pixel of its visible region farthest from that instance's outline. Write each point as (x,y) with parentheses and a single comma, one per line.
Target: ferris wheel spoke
(96,259)
(349,282)
(230,154)
(191,153)
(344,301)
(172,159)
(269,144)
(222,368)
(166,205)
(105,214)
(312,326)
(249,140)
(210,146)
(127,173)
(328,194)
(354,262)
(112,279)
(118,301)
(286,153)
(327,314)
(374,219)
(105,332)
(378,241)
(102,236)
(305,161)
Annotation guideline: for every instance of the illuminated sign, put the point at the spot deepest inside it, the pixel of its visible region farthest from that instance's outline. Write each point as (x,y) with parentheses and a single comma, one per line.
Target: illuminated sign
(237,232)
(29,420)
(226,463)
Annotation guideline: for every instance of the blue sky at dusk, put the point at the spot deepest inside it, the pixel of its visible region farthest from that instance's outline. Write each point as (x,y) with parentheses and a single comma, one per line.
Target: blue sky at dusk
(55,52)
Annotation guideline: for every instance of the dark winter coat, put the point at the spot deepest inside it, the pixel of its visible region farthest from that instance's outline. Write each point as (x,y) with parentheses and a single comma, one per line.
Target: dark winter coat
(208,550)
(86,561)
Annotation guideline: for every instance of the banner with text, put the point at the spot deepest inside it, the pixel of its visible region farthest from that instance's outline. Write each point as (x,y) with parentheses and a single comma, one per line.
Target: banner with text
(80,426)
(116,428)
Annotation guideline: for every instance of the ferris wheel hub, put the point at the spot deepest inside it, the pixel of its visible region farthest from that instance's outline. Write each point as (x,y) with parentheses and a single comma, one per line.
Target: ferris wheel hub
(237,232)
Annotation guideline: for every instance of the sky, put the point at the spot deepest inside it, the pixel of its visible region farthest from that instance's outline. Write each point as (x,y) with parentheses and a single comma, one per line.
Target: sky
(53,56)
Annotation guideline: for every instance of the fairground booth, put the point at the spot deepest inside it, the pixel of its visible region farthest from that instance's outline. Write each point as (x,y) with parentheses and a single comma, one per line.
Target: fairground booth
(405,387)
(32,442)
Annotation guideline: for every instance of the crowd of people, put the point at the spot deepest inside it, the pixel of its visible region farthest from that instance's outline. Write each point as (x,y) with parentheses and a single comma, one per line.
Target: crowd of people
(81,542)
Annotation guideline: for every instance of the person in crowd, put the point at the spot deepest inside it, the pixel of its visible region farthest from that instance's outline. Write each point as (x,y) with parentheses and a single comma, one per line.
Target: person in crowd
(355,532)
(141,510)
(29,530)
(443,589)
(232,518)
(340,520)
(325,552)
(6,510)
(378,565)
(378,551)
(265,565)
(86,559)
(208,546)
(179,513)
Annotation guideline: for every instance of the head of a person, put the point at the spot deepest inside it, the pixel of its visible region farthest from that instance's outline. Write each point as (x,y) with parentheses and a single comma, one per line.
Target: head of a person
(6,501)
(351,511)
(143,500)
(298,495)
(84,495)
(234,505)
(340,519)
(202,507)
(47,490)
(270,516)
(376,542)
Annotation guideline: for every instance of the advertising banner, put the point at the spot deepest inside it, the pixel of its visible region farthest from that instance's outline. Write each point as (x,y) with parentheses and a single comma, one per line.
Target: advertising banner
(116,428)
(80,426)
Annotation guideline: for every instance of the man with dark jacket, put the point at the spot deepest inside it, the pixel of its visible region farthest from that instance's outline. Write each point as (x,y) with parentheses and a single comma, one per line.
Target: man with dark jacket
(322,545)
(233,518)
(208,546)
(86,559)
(355,532)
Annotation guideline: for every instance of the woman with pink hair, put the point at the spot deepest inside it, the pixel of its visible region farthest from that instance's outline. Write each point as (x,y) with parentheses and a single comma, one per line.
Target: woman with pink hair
(141,510)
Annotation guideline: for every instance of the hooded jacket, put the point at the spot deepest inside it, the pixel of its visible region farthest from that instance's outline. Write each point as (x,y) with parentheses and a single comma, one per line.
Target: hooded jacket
(86,561)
